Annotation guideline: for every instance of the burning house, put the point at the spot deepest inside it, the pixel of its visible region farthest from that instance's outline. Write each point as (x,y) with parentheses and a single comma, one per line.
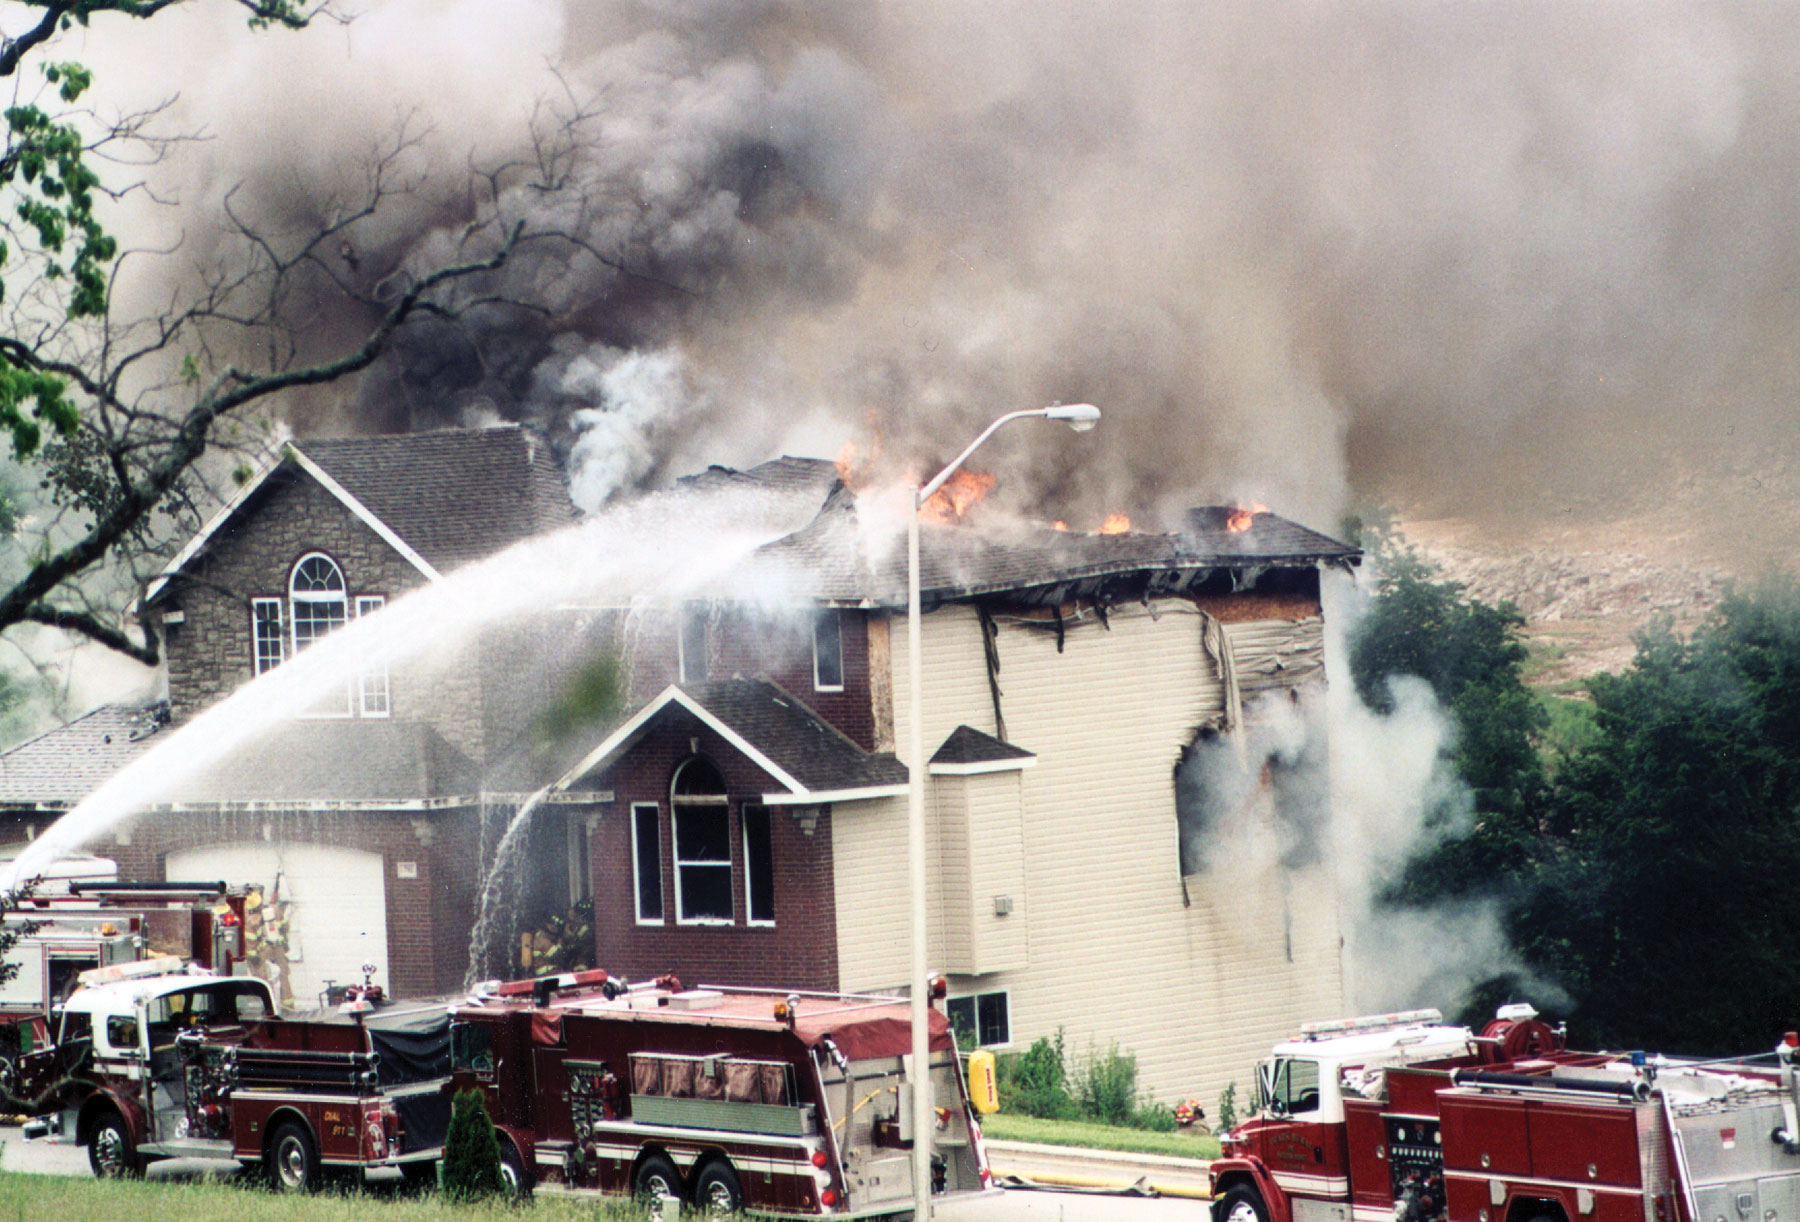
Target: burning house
(740,816)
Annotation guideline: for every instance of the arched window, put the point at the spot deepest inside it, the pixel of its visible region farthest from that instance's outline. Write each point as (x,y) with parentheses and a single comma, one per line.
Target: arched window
(317,596)
(702,815)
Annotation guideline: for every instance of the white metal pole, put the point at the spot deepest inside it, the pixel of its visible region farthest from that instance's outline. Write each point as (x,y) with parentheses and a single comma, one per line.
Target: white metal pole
(922,1127)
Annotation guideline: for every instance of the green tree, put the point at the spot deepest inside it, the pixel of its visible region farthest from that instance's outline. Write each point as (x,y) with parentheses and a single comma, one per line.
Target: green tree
(471,1150)
(111,414)
(1471,655)
(1666,917)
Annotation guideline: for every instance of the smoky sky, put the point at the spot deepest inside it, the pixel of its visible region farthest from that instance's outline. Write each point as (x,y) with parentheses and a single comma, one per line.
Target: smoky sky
(1461,256)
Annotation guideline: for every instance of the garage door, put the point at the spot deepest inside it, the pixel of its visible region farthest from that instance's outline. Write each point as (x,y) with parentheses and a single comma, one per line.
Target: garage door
(323,912)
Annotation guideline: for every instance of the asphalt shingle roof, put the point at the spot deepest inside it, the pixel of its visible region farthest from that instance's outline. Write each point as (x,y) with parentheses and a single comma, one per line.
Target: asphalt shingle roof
(780,727)
(454,495)
(62,766)
(967,745)
(363,760)
(834,559)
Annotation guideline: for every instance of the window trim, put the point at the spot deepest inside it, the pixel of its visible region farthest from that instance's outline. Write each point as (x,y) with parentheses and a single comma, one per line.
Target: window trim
(750,917)
(581,859)
(1005,994)
(637,858)
(342,599)
(368,604)
(279,606)
(706,806)
(836,617)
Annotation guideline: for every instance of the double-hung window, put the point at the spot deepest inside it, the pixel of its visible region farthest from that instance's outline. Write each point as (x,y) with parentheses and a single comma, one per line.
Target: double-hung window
(267,639)
(319,606)
(646,861)
(702,815)
(372,683)
(759,865)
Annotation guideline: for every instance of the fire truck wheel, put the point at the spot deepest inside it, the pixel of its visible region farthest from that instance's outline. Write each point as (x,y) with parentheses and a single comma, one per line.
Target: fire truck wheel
(1242,1204)
(294,1159)
(110,1152)
(512,1172)
(717,1193)
(656,1174)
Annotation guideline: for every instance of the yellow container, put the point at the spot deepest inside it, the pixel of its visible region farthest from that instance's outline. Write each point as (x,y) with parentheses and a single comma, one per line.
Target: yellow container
(984,1083)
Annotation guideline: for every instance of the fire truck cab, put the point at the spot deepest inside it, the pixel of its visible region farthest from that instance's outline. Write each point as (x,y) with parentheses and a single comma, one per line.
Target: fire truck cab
(1320,1099)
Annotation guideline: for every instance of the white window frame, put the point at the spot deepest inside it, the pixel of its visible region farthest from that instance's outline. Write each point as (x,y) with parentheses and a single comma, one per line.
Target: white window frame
(342,599)
(1006,996)
(372,680)
(279,607)
(697,804)
(750,917)
(581,877)
(837,618)
(637,888)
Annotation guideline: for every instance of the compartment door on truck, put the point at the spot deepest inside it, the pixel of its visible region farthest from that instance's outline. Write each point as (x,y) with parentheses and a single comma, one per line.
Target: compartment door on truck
(327,917)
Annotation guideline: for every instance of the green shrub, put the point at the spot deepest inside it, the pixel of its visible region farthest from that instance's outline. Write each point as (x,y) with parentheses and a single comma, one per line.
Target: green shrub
(1105,1085)
(1153,1117)
(471,1151)
(1035,1082)
(1228,1116)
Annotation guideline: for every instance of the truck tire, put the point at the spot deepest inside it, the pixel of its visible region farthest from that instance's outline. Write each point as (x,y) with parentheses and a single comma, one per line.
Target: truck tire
(110,1151)
(656,1173)
(293,1160)
(1241,1204)
(717,1193)
(513,1175)
(420,1173)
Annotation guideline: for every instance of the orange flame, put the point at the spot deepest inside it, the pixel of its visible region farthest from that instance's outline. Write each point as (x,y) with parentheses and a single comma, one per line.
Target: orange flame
(1115,524)
(1242,516)
(1059,524)
(856,465)
(960,493)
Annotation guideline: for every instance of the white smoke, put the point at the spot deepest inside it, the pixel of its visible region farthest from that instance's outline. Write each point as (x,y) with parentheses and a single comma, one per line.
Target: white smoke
(637,396)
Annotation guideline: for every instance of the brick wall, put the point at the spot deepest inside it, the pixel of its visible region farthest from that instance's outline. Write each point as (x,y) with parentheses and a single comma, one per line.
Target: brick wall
(798,951)
(439,901)
(209,654)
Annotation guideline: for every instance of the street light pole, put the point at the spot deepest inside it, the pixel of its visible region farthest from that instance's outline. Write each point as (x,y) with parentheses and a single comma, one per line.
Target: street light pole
(1081,417)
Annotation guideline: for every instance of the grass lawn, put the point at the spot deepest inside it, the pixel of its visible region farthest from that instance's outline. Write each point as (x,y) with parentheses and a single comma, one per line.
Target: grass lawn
(37,1198)
(1005,1126)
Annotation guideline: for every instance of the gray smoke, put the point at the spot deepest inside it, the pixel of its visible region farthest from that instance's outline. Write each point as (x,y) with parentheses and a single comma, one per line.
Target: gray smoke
(1459,257)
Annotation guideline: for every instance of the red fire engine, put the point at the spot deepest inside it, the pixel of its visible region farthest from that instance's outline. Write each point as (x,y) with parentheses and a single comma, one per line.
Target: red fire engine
(1398,1118)
(784,1103)
(156,1060)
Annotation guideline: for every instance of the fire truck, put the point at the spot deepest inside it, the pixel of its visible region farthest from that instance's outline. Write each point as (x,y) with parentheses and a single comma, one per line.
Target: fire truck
(794,1104)
(1400,1118)
(156,1059)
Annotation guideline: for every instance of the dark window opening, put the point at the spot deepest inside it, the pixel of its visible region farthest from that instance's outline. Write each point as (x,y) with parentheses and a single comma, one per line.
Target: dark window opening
(646,856)
(828,652)
(703,862)
(759,865)
(982,1018)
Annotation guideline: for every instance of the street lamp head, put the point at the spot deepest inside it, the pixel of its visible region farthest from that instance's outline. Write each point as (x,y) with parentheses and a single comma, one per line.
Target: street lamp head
(1079,416)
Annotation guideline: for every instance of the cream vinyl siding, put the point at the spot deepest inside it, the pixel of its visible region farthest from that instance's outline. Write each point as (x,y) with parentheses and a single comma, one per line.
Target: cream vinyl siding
(1197,992)
(976,825)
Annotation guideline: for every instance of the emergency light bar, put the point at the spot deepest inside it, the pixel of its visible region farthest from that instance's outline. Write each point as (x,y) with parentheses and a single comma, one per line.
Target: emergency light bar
(1369,1022)
(162,965)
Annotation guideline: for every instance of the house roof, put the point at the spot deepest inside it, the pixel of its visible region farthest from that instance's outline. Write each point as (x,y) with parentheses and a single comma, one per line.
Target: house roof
(784,474)
(967,745)
(811,760)
(364,762)
(835,559)
(440,499)
(58,768)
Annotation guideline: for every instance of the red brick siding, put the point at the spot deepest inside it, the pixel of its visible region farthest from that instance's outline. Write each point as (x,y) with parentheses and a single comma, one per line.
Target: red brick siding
(798,951)
(438,902)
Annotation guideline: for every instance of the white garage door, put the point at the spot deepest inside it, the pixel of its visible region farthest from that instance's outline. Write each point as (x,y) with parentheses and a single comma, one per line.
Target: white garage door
(324,911)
